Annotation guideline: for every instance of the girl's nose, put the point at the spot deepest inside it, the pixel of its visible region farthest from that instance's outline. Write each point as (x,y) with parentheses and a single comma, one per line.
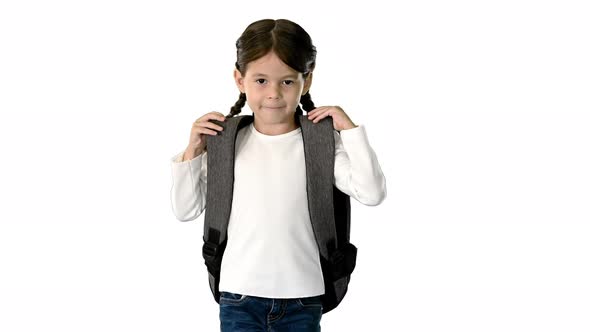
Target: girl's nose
(274,93)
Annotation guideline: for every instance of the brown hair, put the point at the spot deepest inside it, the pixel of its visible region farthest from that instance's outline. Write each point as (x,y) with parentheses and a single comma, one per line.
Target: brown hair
(288,40)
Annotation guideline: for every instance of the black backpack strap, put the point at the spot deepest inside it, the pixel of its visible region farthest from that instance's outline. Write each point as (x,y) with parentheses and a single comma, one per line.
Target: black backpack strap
(220,184)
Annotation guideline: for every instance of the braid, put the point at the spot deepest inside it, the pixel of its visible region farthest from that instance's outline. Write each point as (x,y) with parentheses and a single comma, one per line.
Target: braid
(307,103)
(237,108)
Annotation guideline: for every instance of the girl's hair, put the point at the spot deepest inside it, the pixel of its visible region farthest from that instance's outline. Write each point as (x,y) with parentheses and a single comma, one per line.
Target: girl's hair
(291,44)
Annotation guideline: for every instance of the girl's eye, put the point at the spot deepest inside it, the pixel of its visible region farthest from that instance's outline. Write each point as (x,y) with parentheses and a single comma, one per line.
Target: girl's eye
(260,80)
(288,82)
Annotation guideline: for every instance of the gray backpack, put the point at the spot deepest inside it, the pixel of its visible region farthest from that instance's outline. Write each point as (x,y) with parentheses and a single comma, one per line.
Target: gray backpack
(330,214)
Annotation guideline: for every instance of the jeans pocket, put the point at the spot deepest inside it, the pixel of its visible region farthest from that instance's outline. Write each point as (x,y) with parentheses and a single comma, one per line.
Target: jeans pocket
(310,302)
(231,298)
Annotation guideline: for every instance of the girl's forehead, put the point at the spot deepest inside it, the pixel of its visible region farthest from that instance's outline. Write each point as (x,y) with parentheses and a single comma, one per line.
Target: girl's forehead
(270,65)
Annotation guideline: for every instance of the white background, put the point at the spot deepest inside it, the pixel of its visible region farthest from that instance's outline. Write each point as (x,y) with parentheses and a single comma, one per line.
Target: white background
(478,112)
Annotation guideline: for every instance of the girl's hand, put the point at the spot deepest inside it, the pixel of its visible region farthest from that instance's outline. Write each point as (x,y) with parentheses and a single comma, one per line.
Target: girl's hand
(339,118)
(199,131)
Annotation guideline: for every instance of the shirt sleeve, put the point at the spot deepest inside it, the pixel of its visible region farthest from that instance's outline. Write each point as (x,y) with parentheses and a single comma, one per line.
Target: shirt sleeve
(357,172)
(189,186)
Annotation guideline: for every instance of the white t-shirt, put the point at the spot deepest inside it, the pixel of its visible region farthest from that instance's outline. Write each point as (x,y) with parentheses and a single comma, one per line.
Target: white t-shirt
(271,250)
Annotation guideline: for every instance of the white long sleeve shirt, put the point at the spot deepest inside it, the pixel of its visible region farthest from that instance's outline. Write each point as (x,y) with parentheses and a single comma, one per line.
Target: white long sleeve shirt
(271,250)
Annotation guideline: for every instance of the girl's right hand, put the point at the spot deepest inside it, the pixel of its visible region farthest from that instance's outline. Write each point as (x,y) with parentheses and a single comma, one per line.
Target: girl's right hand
(202,127)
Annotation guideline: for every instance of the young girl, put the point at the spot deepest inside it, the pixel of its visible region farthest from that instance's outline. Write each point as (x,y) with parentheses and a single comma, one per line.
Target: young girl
(271,278)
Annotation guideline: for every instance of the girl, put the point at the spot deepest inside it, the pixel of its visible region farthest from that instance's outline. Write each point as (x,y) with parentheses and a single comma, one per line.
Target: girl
(269,220)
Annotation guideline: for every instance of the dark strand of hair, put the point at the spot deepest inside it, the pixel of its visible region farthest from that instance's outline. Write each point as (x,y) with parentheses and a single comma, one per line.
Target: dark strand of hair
(307,103)
(237,108)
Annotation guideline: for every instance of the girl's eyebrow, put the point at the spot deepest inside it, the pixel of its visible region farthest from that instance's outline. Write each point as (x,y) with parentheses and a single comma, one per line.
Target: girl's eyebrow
(263,75)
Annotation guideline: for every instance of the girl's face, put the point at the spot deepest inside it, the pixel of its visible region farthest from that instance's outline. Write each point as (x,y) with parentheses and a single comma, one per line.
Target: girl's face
(273,89)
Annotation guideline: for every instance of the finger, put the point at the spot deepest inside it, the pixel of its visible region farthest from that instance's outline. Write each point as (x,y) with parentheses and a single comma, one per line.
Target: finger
(215,116)
(206,131)
(213,126)
(316,111)
(211,116)
(323,115)
(320,115)
(220,116)
(207,124)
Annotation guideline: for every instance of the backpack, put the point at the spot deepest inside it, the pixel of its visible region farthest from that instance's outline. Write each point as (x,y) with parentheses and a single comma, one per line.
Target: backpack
(330,214)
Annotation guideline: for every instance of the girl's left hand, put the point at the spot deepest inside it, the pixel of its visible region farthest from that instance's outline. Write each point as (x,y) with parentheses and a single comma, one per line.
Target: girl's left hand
(340,119)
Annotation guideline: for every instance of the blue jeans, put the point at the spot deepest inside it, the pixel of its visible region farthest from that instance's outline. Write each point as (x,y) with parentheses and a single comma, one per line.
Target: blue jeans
(258,314)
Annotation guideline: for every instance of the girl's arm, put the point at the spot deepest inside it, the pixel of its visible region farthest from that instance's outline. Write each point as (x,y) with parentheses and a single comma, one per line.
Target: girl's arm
(189,186)
(357,172)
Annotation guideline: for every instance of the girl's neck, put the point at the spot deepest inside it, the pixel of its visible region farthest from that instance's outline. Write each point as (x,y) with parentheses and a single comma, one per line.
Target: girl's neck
(273,129)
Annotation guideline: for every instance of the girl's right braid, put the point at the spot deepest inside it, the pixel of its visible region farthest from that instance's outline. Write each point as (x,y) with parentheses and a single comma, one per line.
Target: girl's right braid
(237,108)
(307,103)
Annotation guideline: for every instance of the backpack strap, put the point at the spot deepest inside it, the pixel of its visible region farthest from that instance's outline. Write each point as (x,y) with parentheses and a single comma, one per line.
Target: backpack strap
(319,147)
(220,177)
(329,210)
(220,185)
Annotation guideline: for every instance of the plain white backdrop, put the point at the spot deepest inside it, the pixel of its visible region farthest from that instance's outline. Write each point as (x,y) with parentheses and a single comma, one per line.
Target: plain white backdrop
(478,112)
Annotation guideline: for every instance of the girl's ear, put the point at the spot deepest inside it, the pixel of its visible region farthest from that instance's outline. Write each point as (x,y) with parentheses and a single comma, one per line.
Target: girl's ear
(307,84)
(239,80)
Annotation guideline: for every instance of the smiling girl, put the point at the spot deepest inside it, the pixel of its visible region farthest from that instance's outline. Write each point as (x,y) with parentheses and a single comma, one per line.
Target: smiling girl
(271,277)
